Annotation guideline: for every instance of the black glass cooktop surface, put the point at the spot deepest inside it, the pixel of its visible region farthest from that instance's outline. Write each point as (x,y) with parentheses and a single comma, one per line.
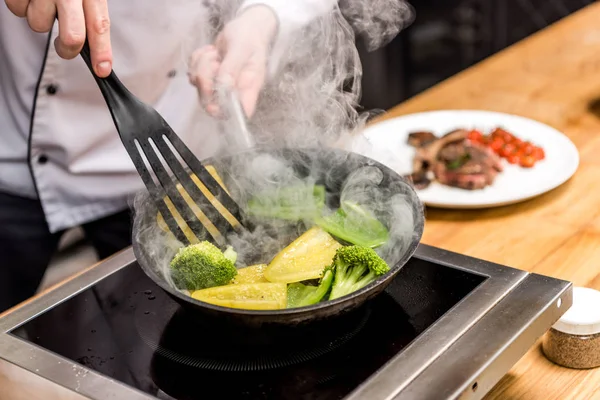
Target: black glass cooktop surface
(128,329)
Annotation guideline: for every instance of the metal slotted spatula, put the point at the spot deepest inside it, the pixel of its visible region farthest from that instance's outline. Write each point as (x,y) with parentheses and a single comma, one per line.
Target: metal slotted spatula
(165,165)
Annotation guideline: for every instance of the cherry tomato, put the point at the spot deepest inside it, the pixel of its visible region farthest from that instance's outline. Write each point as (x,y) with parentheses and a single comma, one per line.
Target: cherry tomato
(527,162)
(538,154)
(496,145)
(475,135)
(527,148)
(504,135)
(513,159)
(517,142)
(508,150)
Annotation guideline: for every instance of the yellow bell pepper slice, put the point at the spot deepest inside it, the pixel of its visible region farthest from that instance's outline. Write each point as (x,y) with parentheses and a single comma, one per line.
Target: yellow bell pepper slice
(250,296)
(252,274)
(305,258)
(201,216)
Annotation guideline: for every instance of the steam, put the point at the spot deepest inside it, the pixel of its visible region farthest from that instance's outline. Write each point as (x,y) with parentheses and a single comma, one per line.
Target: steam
(311,102)
(377,21)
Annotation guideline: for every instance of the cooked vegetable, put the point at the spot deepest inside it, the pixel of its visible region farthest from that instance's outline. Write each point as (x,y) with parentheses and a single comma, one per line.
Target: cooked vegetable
(250,296)
(252,274)
(201,266)
(290,203)
(305,258)
(459,162)
(300,295)
(355,224)
(355,267)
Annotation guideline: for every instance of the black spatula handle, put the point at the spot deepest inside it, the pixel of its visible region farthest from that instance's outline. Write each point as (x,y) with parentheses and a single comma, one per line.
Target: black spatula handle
(116,95)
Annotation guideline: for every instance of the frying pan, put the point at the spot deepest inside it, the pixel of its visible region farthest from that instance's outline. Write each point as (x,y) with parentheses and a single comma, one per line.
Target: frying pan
(333,166)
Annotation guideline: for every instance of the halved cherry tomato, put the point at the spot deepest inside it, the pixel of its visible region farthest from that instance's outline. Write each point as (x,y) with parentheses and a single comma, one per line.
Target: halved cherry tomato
(475,135)
(508,150)
(527,148)
(496,145)
(521,151)
(517,142)
(514,159)
(527,162)
(503,134)
(538,154)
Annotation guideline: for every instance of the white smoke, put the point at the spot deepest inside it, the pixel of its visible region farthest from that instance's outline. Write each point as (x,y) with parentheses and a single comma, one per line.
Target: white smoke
(311,102)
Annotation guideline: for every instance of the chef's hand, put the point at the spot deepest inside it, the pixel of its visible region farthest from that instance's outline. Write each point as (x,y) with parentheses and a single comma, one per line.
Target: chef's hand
(237,60)
(76,19)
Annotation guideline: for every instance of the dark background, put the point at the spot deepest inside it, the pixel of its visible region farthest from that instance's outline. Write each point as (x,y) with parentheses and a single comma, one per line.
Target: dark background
(448,36)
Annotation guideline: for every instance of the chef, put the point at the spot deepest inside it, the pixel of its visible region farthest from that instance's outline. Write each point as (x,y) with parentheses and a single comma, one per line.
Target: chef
(62,163)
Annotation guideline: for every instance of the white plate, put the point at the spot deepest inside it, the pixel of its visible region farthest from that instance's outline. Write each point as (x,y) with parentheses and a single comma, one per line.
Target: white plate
(513,185)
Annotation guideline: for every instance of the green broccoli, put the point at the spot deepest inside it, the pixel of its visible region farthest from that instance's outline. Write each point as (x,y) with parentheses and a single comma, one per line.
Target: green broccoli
(300,295)
(354,224)
(203,265)
(355,267)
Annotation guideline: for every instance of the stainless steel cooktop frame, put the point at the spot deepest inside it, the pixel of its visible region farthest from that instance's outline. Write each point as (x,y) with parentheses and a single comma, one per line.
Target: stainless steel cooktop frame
(463,355)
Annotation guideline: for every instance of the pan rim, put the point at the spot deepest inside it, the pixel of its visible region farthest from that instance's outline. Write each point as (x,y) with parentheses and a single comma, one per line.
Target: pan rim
(417,233)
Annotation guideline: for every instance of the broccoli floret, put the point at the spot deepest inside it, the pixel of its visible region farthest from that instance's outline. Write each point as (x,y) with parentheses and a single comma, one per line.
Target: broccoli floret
(355,267)
(300,295)
(202,265)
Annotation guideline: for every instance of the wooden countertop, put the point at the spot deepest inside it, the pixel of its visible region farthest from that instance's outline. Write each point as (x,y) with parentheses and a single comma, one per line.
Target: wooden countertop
(553,77)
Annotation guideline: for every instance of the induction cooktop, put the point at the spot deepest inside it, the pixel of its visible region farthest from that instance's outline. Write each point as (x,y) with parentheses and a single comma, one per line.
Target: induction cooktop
(448,326)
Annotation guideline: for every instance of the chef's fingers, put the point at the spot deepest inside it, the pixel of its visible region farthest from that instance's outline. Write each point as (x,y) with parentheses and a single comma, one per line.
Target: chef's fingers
(213,109)
(203,69)
(40,15)
(197,55)
(250,82)
(18,7)
(71,28)
(97,23)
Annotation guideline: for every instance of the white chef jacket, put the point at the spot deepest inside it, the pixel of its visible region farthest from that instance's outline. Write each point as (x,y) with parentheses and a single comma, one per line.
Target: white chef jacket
(58,142)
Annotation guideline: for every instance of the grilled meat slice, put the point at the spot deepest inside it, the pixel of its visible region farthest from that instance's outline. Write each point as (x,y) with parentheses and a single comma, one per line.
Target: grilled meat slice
(420,180)
(420,139)
(426,156)
(449,177)
(467,165)
(453,160)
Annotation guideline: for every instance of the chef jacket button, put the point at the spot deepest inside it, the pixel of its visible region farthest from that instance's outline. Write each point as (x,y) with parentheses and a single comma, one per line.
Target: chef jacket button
(172,73)
(51,89)
(42,159)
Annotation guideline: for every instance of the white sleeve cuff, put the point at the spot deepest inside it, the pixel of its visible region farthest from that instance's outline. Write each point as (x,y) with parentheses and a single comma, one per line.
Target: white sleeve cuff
(292,15)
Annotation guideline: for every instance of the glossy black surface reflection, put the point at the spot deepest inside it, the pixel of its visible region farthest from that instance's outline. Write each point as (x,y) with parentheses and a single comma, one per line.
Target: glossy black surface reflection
(125,327)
